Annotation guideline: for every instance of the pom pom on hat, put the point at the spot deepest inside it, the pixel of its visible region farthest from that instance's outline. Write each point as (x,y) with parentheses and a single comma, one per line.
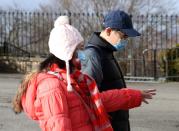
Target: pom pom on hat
(62,20)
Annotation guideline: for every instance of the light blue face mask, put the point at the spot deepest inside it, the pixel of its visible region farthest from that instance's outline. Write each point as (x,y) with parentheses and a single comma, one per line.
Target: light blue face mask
(121,44)
(81,55)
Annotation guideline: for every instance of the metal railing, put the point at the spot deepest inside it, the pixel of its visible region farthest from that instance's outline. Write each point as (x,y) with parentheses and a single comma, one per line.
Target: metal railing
(28,32)
(8,49)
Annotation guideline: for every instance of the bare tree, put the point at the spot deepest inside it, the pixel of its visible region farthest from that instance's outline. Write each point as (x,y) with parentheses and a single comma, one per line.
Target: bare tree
(130,6)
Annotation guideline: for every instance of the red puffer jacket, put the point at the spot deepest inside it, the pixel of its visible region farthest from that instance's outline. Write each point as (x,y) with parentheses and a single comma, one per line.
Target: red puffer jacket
(48,102)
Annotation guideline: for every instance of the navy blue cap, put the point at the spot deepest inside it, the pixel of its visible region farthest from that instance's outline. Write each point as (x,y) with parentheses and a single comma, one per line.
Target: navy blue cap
(121,21)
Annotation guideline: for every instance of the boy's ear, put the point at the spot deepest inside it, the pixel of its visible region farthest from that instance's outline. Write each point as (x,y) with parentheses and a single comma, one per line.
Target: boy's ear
(108,31)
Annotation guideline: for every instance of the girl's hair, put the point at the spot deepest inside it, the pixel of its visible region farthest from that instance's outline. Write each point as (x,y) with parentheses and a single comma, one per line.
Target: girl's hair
(43,67)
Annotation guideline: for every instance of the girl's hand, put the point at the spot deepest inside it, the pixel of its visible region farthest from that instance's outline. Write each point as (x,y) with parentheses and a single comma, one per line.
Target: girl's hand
(148,94)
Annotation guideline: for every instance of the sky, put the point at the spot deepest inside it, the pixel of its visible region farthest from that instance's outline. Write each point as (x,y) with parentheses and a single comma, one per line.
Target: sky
(22,4)
(30,5)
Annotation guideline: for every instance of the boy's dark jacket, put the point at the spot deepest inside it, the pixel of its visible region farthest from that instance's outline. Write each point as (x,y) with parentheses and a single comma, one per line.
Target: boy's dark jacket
(98,62)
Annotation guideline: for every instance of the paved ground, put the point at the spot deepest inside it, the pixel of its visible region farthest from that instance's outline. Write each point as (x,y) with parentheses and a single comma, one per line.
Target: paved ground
(162,114)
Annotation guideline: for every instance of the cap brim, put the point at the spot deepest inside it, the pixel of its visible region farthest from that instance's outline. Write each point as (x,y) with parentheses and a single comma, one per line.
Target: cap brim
(130,32)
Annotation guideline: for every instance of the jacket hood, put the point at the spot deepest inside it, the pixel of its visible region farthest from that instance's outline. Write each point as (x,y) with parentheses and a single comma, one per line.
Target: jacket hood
(28,99)
(96,40)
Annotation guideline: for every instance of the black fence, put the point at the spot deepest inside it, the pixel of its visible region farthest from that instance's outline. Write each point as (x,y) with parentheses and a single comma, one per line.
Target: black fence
(154,54)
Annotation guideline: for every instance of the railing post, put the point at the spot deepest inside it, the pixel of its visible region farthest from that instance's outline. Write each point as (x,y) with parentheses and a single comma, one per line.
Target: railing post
(155,64)
(144,64)
(5,46)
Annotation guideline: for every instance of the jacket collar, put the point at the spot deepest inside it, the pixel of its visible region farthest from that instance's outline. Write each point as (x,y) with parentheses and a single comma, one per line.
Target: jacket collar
(98,41)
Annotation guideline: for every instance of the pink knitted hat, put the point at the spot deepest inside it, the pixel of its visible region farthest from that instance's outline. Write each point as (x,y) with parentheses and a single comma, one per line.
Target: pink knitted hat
(63,41)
